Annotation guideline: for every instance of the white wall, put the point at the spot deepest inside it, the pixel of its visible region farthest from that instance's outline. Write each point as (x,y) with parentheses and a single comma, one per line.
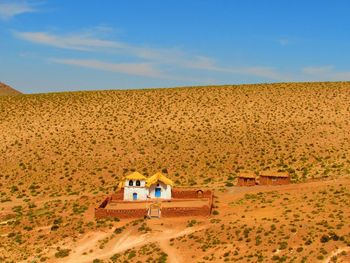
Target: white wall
(141,190)
(165,190)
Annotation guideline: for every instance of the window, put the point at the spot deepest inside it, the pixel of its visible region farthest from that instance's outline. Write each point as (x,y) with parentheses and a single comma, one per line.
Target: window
(131,183)
(138,183)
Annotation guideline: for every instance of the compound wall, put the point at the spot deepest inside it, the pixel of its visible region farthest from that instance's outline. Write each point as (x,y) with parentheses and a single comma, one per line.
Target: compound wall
(177,194)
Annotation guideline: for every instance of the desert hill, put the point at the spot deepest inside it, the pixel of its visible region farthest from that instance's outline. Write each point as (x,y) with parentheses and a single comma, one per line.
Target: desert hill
(205,135)
(7,90)
(60,153)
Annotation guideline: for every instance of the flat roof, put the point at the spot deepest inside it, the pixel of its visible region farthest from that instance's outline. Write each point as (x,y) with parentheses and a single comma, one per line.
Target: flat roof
(274,174)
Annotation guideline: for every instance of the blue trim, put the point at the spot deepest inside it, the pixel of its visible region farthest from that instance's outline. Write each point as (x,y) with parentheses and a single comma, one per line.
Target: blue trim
(158,192)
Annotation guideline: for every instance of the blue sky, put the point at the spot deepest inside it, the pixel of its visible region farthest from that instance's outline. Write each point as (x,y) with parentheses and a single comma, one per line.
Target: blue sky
(56,45)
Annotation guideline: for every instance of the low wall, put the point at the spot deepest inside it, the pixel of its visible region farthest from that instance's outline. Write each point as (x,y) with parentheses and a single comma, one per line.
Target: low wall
(119,195)
(120,213)
(265,180)
(186,211)
(104,203)
(179,193)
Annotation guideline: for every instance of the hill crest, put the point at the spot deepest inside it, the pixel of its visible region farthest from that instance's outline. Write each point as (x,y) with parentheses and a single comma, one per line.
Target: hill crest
(7,90)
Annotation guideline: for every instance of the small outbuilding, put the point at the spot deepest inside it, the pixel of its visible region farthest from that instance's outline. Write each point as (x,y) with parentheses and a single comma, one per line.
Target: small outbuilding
(274,178)
(246,179)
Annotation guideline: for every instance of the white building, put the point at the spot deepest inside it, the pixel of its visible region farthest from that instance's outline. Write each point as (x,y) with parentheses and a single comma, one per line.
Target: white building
(138,187)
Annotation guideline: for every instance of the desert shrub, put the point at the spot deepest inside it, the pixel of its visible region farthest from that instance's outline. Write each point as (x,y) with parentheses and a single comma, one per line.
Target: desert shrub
(215,212)
(324,239)
(118,230)
(283,245)
(191,223)
(163,258)
(61,253)
(54,227)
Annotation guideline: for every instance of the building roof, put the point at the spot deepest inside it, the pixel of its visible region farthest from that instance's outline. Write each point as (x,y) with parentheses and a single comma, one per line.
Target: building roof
(274,174)
(158,177)
(250,175)
(135,176)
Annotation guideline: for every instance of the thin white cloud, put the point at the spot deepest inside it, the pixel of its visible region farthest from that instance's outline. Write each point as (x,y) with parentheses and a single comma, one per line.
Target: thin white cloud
(328,72)
(10,9)
(161,57)
(318,70)
(343,76)
(138,69)
(82,42)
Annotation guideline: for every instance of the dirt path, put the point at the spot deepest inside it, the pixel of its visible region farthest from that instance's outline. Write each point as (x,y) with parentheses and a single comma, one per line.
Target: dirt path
(173,254)
(127,241)
(335,253)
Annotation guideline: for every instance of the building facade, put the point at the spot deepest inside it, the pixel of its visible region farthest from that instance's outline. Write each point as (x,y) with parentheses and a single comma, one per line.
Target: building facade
(246,179)
(138,187)
(274,178)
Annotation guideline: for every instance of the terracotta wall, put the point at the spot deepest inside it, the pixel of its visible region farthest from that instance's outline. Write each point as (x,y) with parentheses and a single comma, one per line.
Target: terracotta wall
(179,193)
(120,213)
(186,211)
(102,212)
(266,180)
(104,203)
(247,182)
(119,195)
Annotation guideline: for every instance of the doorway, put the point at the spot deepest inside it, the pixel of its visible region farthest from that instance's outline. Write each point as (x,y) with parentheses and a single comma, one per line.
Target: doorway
(134,196)
(158,192)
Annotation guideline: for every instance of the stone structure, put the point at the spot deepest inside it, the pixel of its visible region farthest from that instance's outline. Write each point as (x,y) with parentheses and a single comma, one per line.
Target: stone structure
(246,179)
(273,178)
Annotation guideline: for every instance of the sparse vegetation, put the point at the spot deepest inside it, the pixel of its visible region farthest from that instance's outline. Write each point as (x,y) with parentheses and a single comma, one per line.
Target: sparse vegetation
(61,153)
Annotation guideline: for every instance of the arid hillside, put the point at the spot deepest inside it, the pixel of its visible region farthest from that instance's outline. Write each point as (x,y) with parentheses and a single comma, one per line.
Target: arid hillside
(61,153)
(7,90)
(86,141)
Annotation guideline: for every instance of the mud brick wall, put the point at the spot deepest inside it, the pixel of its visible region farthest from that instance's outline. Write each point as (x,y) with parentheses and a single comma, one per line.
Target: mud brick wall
(186,211)
(119,195)
(266,180)
(104,203)
(179,193)
(247,182)
(101,213)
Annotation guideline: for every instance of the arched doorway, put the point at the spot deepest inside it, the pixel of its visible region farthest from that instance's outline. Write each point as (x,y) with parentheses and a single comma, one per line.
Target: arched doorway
(134,196)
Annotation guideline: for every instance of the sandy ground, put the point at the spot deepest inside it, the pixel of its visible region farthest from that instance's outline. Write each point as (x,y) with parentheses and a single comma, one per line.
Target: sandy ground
(160,234)
(163,230)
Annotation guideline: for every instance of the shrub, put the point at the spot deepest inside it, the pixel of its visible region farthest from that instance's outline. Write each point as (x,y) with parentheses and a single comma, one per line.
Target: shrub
(61,253)
(283,245)
(215,212)
(324,239)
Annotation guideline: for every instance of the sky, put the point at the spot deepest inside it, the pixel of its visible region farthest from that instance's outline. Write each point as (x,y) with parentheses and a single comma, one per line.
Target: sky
(62,45)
